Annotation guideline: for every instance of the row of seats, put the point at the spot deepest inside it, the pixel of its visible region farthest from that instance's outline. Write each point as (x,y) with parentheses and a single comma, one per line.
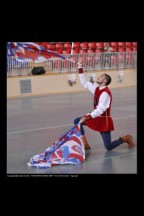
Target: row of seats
(89,47)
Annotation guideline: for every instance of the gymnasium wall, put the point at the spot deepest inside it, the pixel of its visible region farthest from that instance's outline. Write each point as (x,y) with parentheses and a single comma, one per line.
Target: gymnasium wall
(58,83)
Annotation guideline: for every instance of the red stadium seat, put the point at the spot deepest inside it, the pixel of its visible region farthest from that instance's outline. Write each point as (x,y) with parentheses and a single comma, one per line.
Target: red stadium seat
(82,51)
(128,45)
(59,46)
(106,43)
(90,51)
(114,46)
(121,49)
(68,51)
(67,46)
(82,56)
(44,44)
(51,47)
(59,51)
(98,50)
(121,44)
(75,51)
(99,45)
(92,45)
(84,45)
(134,46)
(115,49)
(76,45)
(128,49)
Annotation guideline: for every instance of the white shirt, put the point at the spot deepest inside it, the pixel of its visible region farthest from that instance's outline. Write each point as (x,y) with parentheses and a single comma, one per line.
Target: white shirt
(104,100)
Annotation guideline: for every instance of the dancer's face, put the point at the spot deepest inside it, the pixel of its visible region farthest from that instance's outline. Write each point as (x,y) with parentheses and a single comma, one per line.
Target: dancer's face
(101,79)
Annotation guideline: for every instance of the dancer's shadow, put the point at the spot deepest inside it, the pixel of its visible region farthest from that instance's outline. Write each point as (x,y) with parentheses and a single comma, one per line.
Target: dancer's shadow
(87,153)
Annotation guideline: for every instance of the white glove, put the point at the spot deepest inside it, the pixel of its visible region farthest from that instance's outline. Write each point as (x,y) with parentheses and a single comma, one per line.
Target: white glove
(80,65)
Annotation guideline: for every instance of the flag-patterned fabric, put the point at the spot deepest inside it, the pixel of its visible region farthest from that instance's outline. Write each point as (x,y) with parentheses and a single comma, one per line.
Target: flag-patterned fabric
(30,51)
(68,149)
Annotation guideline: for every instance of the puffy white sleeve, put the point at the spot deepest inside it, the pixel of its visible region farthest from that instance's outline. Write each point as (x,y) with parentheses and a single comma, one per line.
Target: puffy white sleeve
(86,84)
(104,103)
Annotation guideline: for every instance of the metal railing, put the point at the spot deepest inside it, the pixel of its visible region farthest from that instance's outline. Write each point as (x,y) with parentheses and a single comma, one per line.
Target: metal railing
(90,61)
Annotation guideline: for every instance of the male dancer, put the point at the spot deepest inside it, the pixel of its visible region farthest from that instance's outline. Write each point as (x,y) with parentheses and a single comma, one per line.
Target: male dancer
(100,119)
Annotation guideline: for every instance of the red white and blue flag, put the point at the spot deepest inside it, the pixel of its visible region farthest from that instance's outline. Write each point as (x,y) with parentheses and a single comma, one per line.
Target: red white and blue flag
(68,149)
(30,51)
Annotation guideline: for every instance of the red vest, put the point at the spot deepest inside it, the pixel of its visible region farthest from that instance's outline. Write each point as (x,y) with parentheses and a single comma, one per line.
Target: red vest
(103,122)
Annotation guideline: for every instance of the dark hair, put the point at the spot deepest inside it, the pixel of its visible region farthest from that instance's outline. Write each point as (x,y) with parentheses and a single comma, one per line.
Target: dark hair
(108,79)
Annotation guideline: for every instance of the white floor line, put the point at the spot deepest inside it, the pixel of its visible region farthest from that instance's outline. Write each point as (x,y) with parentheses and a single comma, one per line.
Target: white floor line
(38,129)
(126,117)
(118,156)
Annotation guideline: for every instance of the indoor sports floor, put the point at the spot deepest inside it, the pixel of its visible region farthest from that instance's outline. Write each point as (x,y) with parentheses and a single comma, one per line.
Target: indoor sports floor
(35,122)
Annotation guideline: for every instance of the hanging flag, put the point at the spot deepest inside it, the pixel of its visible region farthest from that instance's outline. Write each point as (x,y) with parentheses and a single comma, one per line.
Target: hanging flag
(30,51)
(68,149)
